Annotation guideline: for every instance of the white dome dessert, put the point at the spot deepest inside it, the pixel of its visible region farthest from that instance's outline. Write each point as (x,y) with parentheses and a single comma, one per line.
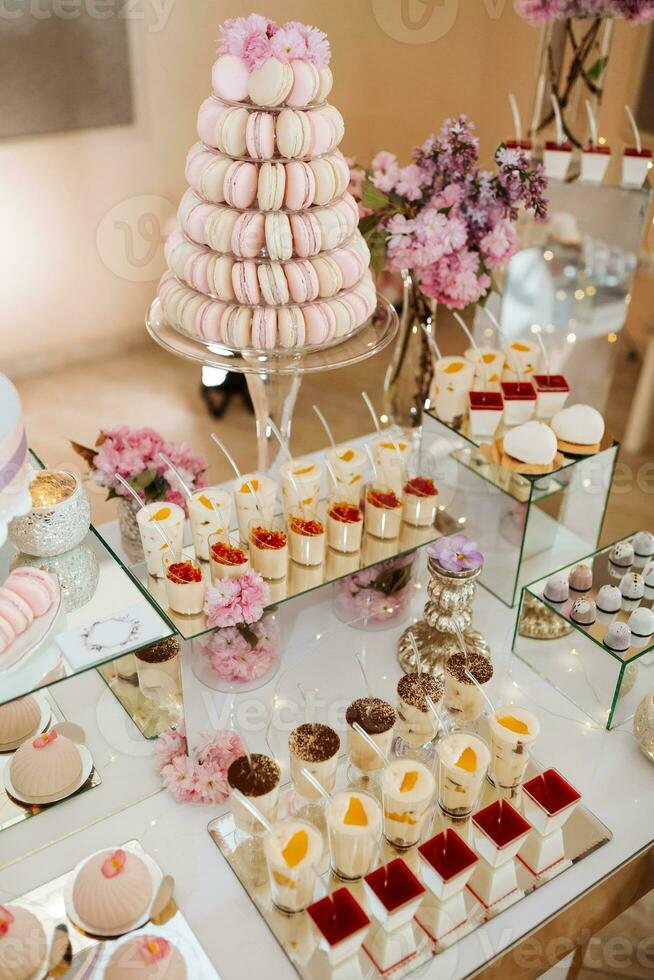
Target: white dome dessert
(23,943)
(146,957)
(643,543)
(112,891)
(578,425)
(18,720)
(641,622)
(533,443)
(46,766)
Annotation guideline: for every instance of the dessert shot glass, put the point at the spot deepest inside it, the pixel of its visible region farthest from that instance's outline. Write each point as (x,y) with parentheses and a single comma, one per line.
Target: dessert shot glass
(344,526)
(269,549)
(293,852)
(185,586)
(226,559)
(354,821)
(408,789)
(383,512)
(210,513)
(512,733)
(463,761)
(258,777)
(306,537)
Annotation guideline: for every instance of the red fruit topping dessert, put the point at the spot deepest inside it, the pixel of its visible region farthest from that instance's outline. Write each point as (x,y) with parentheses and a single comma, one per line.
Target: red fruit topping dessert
(383,498)
(267,539)
(421,486)
(345,512)
(303,526)
(184,571)
(227,555)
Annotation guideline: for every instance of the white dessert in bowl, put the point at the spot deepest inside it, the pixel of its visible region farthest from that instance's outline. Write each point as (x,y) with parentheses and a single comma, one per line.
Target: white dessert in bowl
(344,526)
(407,793)
(254,506)
(226,560)
(269,551)
(210,513)
(416,723)
(391,455)
(293,851)
(314,747)
(419,501)
(306,538)
(161,526)
(300,481)
(463,761)
(258,778)
(377,718)
(463,699)
(512,731)
(453,379)
(349,466)
(383,513)
(354,821)
(185,587)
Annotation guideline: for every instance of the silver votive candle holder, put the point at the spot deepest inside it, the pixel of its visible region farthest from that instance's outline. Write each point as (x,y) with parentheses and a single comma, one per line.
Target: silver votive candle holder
(59,519)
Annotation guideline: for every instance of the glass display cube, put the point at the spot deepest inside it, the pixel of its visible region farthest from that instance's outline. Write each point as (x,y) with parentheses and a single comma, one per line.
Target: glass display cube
(604,683)
(524,525)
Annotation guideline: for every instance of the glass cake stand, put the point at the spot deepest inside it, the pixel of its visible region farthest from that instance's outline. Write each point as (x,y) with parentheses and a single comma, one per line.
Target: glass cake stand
(274,377)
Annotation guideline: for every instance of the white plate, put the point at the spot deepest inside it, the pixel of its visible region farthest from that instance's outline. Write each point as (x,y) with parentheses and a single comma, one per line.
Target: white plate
(155,874)
(44,721)
(33,636)
(49,928)
(87,767)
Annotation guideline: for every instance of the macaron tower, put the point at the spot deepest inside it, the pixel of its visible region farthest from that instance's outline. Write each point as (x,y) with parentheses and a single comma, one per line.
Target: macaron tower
(266,254)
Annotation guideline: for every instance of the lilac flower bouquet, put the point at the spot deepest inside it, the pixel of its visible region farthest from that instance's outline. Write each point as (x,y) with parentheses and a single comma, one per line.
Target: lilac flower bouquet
(444,217)
(544,11)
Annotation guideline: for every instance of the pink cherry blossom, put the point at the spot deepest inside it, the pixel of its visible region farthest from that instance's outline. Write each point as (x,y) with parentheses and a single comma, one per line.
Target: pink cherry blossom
(288,44)
(385,170)
(257,48)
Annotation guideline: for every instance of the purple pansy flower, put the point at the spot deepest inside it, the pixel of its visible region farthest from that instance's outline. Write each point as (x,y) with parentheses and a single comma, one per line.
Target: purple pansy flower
(456,553)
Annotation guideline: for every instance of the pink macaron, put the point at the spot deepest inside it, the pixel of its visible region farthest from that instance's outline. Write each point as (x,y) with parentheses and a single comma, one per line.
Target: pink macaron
(246,283)
(260,135)
(264,328)
(358,305)
(37,588)
(342,171)
(306,234)
(351,265)
(7,634)
(15,610)
(209,320)
(194,215)
(197,159)
(241,184)
(300,186)
(306,81)
(196,270)
(209,115)
(248,235)
(320,323)
(323,132)
(230,77)
(302,280)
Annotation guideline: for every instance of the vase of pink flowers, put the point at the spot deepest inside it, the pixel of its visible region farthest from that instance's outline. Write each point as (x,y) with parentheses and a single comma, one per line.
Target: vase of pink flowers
(239,658)
(575,52)
(449,227)
(376,597)
(133,454)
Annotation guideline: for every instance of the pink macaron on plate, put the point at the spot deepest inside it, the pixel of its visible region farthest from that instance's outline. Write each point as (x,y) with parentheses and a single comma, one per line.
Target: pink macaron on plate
(27,642)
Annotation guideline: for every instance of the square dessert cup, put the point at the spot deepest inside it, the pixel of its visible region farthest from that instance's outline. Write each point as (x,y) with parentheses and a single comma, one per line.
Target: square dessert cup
(341,923)
(595,161)
(548,801)
(383,512)
(635,166)
(306,537)
(552,392)
(499,831)
(226,559)
(394,894)
(486,409)
(269,549)
(519,401)
(446,864)
(344,525)
(556,159)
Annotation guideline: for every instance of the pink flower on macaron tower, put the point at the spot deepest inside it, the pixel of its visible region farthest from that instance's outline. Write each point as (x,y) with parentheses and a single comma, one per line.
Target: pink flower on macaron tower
(456,553)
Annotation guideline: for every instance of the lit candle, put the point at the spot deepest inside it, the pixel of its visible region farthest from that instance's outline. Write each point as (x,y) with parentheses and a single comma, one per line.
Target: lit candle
(51,487)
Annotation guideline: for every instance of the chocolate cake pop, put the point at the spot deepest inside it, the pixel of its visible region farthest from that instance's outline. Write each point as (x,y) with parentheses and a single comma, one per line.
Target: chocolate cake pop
(622,554)
(641,622)
(581,578)
(643,544)
(583,612)
(609,599)
(556,589)
(618,637)
(632,586)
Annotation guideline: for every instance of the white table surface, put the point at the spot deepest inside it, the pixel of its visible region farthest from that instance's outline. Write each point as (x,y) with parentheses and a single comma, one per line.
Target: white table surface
(616,780)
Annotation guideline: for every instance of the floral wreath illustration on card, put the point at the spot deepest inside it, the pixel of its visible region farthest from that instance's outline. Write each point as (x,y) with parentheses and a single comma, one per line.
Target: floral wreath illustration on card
(95,644)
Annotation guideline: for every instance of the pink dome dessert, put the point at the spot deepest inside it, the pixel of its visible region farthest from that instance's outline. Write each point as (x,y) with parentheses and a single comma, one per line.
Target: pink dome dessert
(46,766)
(18,720)
(146,958)
(23,945)
(112,891)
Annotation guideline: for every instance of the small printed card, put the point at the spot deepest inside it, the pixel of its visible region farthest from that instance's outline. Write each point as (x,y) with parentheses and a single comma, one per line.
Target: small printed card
(127,629)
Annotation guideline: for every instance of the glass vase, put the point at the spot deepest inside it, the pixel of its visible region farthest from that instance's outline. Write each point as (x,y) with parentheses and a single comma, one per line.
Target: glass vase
(573,65)
(376,598)
(236,659)
(410,372)
(130,536)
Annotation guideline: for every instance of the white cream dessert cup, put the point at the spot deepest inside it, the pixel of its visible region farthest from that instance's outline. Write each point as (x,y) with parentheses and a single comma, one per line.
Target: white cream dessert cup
(268,559)
(391,455)
(266,801)
(381,521)
(258,506)
(522,360)
(463,699)
(184,597)
(344,535)
(301,480)
(488,366)
(459,789)
(511,750)
(349,466)
(416,723)
(292,886)
(210,512)
(406,810)
(313,747)
(453,379)
(304,548)
(352,847)
(377,718)
(222,569)
(152,520)
(418,509)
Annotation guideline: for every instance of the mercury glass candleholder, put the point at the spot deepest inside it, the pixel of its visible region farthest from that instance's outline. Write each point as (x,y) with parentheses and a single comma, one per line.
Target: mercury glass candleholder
(59,519)
(449,605)
(644,726)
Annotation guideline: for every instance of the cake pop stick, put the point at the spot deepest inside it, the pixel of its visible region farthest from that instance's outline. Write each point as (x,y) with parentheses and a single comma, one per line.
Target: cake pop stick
(310,778)
(373,415)
(592,122)
(464,649)
(517,122)
(632,121)
(371,742)
(560,135)
(138,500)
(232,462)
(254,810)
(430,340)
(325,426)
